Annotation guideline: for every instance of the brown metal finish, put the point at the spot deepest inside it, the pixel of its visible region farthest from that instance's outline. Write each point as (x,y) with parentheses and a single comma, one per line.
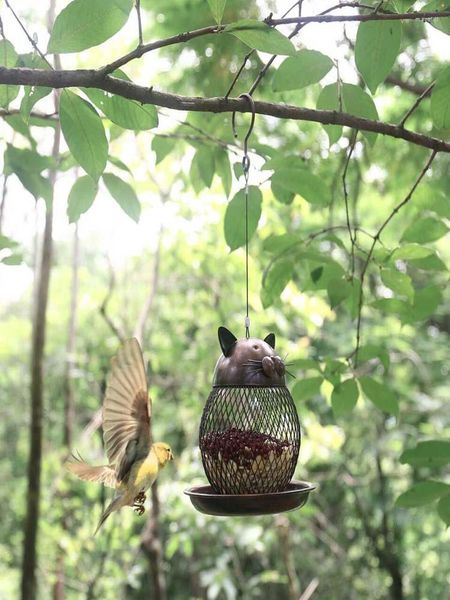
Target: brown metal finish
(248,361)
(206,501)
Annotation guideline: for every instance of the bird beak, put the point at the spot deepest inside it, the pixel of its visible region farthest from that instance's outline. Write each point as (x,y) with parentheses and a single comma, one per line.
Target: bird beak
(170,456)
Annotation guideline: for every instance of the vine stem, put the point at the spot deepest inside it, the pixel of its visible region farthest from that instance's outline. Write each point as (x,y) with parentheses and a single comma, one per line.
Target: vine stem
(376,238)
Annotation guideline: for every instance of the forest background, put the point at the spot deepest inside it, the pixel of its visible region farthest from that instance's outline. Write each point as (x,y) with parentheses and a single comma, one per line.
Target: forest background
(132,214)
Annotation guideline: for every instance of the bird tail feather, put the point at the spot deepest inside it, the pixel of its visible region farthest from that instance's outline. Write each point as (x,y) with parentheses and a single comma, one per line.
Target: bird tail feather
(100,474)
(114,505)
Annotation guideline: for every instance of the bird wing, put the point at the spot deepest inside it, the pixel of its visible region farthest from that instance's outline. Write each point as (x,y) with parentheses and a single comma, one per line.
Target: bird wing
(103,474)
(126,410)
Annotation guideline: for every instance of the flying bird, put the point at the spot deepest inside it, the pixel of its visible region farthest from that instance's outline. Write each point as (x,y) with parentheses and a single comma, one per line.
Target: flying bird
(133,460)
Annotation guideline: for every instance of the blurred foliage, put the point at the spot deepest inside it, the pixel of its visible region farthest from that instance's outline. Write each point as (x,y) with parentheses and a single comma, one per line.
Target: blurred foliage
(363,441)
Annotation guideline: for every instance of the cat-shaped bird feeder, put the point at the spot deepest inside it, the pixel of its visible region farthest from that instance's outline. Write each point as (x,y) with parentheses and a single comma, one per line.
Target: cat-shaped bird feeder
(249,433)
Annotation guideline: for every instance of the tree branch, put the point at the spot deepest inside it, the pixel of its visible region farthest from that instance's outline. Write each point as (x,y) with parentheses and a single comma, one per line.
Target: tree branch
(370,17)
(95,79)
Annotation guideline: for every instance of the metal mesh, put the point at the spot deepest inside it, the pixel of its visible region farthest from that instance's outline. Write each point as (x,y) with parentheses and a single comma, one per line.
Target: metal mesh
(249,439)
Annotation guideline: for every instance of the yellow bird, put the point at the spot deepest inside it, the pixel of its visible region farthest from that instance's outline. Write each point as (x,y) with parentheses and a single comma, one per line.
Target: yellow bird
(134,462)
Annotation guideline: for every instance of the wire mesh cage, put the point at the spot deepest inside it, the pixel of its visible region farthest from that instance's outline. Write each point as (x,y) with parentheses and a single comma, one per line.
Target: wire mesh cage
(249,438)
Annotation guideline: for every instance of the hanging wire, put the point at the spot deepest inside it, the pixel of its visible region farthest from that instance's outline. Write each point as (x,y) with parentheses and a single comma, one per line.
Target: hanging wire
(246,169)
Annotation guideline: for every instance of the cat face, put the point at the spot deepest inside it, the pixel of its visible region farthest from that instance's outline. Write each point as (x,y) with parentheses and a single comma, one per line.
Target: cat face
(248,361)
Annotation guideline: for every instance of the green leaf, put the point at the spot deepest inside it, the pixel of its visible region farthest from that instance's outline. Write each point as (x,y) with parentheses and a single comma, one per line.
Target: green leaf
(443,24)
(429,263)
(31,97)
(392,306)
(280,243)
(275,280)
(411,252)
(234,222)
(370,351)
(338,290)
(358,102)
(355,101)
(440,100)
(124,195)
(382,396)
(162,147)
(8,58)
(333,371)
(32,94)
(352,302)
(217,7)
(344,397)
(302,182)
(7,242)
(84,133)
(86,23)
(119,164)
(376,48)
(427,229)
(126,113)
(306,388)
(260,36)
(422,493)
(223,169)
(281,194)
(81,197)
(426,300)
(301,70)
(431,198)
(444,508)
(12,259)
(329,100)
(27,165)
(398,282)
(203,161)
(430,453)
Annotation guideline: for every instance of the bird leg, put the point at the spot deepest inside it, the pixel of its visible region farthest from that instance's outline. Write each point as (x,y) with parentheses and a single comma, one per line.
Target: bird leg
(138,504)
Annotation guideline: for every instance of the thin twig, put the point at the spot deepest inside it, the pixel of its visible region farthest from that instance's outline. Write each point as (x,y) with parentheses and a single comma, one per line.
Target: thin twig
(175,39)
(352,236)
(139,20)
(30,38)
(239,71)
(103,307)
(423,95)
(372,247)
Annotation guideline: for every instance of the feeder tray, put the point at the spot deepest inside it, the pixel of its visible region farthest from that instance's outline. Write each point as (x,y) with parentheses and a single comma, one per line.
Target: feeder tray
(206,501)
(249,434)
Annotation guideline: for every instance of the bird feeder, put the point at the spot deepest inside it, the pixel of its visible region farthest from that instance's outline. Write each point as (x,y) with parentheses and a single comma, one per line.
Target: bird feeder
(249,432)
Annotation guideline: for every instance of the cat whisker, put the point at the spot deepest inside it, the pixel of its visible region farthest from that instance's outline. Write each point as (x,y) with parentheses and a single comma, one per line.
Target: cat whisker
(291,374)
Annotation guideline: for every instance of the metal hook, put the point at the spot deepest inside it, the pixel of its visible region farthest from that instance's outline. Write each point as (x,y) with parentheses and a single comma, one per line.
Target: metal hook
(252,122)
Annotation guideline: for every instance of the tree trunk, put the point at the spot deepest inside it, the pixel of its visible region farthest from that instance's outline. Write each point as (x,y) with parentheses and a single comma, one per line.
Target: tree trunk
(69,397)
(28,585)
(152,548)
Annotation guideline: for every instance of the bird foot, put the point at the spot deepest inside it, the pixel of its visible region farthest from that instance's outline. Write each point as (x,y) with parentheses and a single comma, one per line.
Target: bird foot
(139,509)
(140,498)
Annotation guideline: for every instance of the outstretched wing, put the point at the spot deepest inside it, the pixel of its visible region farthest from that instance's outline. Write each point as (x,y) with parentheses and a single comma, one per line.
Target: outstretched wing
(126,410)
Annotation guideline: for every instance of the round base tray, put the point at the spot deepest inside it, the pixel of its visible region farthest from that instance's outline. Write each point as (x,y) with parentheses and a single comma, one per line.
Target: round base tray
(207,501)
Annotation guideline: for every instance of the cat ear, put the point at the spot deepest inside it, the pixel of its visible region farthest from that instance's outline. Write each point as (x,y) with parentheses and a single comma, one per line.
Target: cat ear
(270,339)
(226,340)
